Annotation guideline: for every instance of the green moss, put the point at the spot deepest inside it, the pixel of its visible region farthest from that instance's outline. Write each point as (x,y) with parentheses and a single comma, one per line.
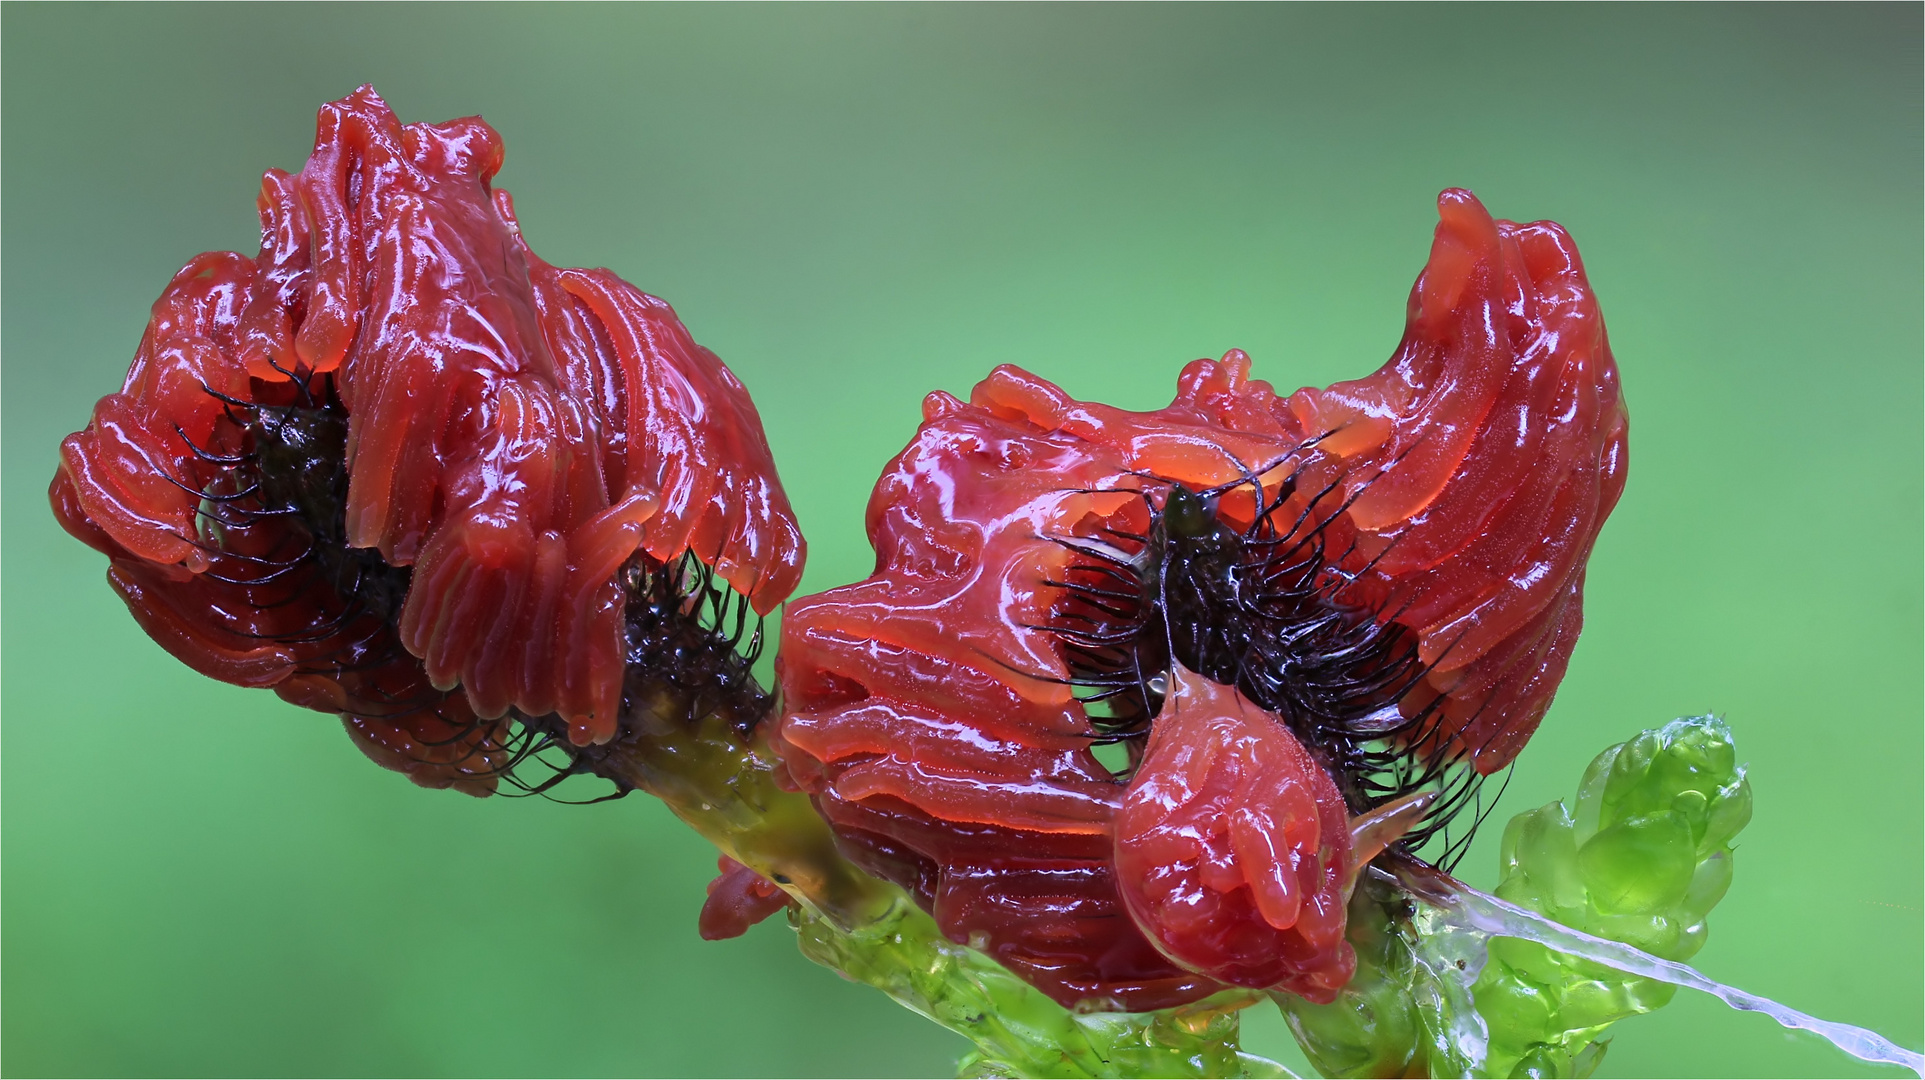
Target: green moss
(1644,858)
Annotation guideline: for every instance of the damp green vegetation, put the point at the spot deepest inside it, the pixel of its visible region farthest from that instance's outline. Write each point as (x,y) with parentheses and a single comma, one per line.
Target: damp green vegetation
(1449,981)
(1641,859)
(1018,1031)
(871,932)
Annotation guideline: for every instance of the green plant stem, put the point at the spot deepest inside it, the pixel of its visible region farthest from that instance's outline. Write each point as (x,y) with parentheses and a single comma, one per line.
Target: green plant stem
(1642,861)
(725,789)
(1017,1030)
(870,931)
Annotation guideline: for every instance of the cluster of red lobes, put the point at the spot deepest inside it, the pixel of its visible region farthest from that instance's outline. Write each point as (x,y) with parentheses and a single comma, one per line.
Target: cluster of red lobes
(395,466)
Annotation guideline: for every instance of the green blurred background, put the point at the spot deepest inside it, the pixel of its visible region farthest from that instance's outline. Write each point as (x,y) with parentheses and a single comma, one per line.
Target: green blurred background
(856,205)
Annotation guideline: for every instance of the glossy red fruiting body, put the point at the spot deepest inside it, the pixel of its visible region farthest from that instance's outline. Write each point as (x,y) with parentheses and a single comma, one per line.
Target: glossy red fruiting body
(392,465)
(1388,572)
(1233,846)
(1499,431)
(738,898)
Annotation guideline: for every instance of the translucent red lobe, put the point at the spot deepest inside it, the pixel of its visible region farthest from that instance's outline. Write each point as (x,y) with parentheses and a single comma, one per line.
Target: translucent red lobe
(1233,846)
(926,715)
(224,609)
(515,432)
(1484,459)
(738,898)
(912,716)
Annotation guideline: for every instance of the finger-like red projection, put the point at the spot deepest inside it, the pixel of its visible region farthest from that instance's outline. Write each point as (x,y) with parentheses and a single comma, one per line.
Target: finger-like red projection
(1384,578)
(397,454)
(738,898)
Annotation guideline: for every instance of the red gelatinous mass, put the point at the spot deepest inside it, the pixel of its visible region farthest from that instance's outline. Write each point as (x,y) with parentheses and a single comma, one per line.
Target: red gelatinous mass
(1233,846)
(514,433)
(738,898)
(1483,460)
(929,709)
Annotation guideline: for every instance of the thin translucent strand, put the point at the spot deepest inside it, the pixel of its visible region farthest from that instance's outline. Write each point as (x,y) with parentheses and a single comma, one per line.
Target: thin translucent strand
(1461,906)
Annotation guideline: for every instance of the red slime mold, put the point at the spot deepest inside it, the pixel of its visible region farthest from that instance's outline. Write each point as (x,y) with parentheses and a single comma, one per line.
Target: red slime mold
(1233,846)
(397,381)
(738,898)
(1450,501)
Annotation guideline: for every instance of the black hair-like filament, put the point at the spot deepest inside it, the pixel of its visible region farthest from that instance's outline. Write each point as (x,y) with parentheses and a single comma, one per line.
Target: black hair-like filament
(1258,608)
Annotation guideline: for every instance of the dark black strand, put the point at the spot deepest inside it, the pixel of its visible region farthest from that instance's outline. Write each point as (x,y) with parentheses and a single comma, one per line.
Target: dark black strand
(1258,609)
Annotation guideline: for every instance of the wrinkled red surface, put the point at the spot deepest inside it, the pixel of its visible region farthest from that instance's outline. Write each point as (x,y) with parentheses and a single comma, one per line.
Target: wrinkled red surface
(924,710)
(516,432)
(1233,846)
(1484,459)
(738,898)
(908,716)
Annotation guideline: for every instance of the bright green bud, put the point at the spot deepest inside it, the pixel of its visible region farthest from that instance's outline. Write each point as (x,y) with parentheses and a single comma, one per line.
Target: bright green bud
(1643,860)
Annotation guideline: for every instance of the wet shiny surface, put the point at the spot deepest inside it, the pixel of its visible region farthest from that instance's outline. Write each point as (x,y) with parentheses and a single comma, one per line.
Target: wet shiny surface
(927,709)
(1483,460)
(738,898)
(514,433)
(1233,846)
